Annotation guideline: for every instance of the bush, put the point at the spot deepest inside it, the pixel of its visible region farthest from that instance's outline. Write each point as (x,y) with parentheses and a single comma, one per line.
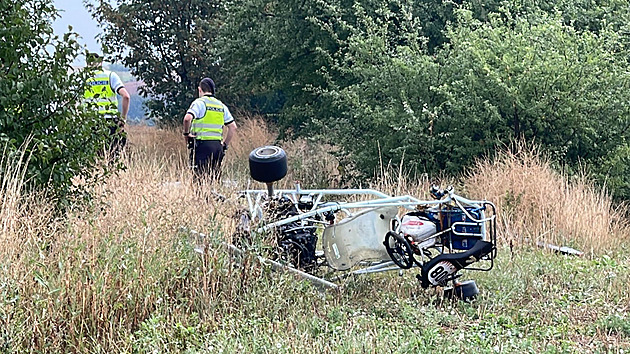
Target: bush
(40,96)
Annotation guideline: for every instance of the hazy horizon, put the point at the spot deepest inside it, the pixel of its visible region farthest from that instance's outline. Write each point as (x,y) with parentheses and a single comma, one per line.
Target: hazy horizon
(73,13)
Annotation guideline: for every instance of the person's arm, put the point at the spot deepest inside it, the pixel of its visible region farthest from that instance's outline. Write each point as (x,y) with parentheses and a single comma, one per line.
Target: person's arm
(117,86)
(230,125)
(187,124)
(229,134)
(125,101)
(193,112)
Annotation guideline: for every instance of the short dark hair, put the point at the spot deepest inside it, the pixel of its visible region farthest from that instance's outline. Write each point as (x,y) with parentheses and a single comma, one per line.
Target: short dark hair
(92,57)
(207,85)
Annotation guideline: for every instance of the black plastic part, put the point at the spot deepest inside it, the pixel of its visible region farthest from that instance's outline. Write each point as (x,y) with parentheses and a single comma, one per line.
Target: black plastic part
(399,250)
(297,243)
(465,291)
(299,249)
(459,260)
(268,164)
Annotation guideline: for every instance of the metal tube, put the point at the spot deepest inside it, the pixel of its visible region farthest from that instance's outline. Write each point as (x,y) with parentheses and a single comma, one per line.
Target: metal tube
(379,270)
(391,201)
(275,265)
(377,266)
(328,192)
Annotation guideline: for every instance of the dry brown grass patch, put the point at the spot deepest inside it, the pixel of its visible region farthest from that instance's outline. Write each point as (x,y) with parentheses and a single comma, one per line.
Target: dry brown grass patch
(536,203)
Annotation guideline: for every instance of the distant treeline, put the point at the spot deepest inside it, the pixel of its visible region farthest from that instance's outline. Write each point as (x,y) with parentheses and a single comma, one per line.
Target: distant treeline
(436,83)
(432,83)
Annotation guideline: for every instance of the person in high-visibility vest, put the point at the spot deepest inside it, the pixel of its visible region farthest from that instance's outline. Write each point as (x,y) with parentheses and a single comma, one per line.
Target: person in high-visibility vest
(204,124)
(102,89)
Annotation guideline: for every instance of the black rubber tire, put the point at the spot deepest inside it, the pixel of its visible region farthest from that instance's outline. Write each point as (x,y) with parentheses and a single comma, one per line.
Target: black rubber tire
(399,250)
(268,164)
(466,290)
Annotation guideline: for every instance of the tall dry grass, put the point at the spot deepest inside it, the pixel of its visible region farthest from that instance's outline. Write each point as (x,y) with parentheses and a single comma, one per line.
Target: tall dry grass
(26,218)
(11,185)
(89,281)
(536,203)
(309,162)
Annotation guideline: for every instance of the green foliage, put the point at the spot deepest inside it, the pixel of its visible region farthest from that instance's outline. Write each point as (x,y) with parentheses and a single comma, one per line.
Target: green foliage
(536,78)
(40,95)
(432,83)
(613,170)
(383,96)
(352,73)
(616,324)
(274,51)
(583,15)
(532,76)
(169,45)
(435,15)
(157,334)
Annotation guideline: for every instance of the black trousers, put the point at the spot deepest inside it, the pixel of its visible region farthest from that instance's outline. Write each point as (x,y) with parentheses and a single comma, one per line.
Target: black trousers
(116,141)
(206,156)
(118,137)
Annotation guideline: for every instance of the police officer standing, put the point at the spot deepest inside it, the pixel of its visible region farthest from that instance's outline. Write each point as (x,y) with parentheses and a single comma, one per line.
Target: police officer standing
(101,90)
(203,130)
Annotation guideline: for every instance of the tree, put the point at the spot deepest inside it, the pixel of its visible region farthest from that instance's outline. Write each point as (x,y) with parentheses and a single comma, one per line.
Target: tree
(535,77)
(274,52)
(383,94)
(284,54)
(169,45)
(40,96)
(530,76)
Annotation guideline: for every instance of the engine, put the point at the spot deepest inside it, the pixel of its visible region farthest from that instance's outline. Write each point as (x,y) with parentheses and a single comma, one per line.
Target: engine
(295,241)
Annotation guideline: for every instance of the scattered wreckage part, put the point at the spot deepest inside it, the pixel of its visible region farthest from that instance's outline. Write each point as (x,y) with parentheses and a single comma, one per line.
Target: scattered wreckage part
(299,191)
(386,266)
(399,250)
(376,268)
(560,249)
(358,238)
(298,249)
(268,164)
(297,241)
(274,265)
(466,290)
(255,197)
(404,201)
(442,268)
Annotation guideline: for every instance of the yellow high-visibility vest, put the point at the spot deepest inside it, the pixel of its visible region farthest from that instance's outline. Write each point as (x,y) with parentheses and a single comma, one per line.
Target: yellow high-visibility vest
(210,126)
(100,92)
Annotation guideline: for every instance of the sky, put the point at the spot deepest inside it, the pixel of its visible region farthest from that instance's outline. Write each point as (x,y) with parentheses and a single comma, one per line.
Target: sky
(74,13)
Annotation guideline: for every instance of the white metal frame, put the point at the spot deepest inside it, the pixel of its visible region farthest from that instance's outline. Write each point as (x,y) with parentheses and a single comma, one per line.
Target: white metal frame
(380,199)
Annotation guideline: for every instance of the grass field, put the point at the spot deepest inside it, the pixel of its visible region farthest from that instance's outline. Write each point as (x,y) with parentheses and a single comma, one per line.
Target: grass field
(119,275)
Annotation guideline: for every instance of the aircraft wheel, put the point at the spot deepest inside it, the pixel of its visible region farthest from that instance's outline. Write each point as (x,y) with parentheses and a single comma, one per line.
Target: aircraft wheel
(399,250)
(268,164)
